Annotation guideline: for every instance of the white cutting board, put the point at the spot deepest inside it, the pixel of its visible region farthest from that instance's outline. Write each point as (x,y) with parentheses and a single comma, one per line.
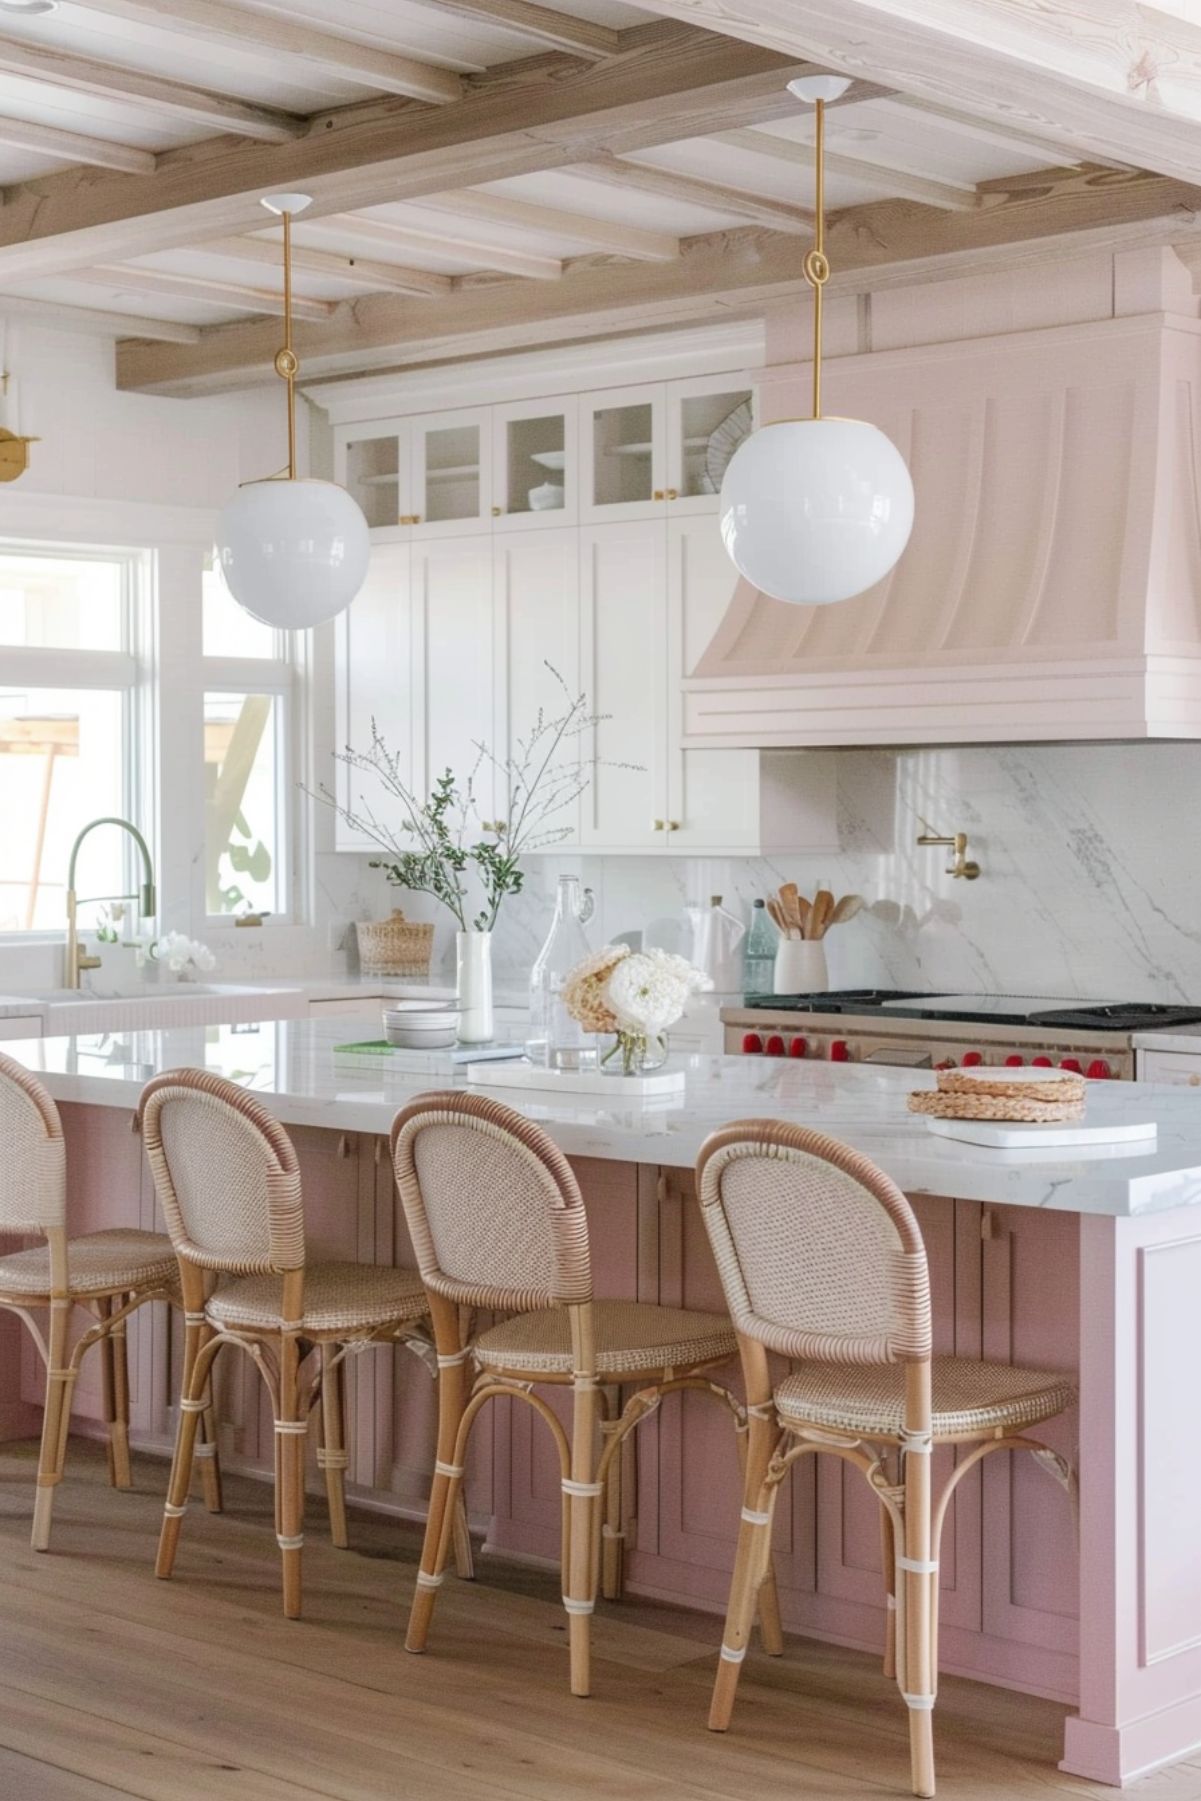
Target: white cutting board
(1012,1135)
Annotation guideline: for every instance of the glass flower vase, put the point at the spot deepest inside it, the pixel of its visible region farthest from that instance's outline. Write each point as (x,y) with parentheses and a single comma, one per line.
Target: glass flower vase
(631,1053)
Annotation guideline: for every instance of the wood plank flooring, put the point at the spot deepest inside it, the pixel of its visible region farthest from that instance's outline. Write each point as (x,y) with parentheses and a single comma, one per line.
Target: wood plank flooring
(113,1684)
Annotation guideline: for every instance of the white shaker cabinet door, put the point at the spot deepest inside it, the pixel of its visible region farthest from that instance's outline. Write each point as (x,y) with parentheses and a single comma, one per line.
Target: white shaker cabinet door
(453,703)
(623,671)
(374,679)
(536,611)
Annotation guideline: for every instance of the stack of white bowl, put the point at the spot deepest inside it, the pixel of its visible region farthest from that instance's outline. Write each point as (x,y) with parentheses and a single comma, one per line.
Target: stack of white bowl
(421,1025)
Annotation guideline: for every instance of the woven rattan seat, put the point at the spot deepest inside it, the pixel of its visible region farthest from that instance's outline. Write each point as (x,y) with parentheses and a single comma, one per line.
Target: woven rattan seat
(969,1397)
(337,1297)
(97,1263)
(632,1339)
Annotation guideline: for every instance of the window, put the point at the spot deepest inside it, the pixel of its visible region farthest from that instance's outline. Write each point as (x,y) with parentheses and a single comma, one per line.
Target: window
(68,727)
(247,727)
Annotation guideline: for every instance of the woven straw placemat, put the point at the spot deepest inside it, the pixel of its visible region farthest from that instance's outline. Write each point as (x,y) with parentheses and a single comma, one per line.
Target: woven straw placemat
(1064,1085)
(993,1106)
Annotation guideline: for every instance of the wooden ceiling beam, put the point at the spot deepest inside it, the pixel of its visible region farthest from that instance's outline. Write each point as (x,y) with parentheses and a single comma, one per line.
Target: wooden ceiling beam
(97,321)
(557,31)
(896,183)
(358,271)
(76,147)
(211,292)
(645,178)
(147,93)
(724,274)
(603,234)
(478,254)
(676,84)
(1104,78)
(291,39)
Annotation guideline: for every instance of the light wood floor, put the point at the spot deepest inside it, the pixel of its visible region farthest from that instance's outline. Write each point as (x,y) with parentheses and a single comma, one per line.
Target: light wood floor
(190,1690)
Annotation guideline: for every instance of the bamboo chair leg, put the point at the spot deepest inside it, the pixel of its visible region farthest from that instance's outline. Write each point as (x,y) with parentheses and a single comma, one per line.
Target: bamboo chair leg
(331,1453)
(210,1456)
(117,1344)
(888,1565)
(464,1555)
(60,1385)
(612,1535)
(191,1406)
(750,1563)
(291,1430)
(585,1497)
(917,1573)
(771,1626)
(445,1505)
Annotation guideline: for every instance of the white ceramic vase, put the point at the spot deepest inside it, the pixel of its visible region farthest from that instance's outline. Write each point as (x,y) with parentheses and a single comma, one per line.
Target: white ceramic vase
(473,985)
(801,967)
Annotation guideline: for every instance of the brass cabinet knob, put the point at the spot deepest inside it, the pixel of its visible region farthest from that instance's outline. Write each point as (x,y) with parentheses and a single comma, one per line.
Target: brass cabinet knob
(672,494)
(410,519)
(658,825)
(658,494)
(673,825)
(497,511)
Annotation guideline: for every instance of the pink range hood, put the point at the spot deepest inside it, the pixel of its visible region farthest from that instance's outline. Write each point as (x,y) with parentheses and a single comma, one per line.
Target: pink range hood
(1052,585)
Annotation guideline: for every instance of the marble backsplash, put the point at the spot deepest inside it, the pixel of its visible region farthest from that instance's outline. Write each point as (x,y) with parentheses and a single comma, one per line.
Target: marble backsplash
(1090,883)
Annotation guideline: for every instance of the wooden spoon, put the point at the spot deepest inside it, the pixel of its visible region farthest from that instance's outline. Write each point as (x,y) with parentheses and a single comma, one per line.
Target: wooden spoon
(776,915)
(803,911)
(789,906)
(848,906)
(819,915)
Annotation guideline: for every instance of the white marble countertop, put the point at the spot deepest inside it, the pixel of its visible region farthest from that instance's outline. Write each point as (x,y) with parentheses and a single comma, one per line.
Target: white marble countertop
(296,1070)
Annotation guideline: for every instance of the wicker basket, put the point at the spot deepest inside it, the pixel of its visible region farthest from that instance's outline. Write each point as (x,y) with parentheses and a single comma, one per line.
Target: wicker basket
(395,946)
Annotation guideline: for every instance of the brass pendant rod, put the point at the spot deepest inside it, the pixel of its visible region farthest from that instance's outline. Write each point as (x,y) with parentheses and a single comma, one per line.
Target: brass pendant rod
(817,268)
(287,363)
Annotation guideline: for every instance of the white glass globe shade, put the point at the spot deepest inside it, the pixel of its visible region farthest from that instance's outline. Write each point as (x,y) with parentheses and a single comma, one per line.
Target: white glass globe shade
(815,510)
(293,553)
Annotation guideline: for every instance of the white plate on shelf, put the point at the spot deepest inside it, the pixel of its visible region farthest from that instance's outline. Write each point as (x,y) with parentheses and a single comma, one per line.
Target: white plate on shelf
(1013,1135)
(549,459)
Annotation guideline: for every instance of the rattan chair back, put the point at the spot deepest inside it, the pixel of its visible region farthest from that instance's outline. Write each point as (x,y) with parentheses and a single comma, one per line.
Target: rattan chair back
(494,1211)
(33,1169)
(819,1253)
(226,1174)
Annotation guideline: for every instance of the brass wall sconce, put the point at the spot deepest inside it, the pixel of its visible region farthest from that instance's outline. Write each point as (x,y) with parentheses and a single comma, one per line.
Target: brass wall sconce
(961,865)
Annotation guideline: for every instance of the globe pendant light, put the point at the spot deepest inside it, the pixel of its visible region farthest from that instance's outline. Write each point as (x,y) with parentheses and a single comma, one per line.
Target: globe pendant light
(293,550)
(815,510)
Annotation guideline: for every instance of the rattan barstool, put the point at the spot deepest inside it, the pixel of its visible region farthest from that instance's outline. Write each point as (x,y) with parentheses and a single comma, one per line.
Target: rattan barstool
(108,1274)
(822,1261)
(497,1222)
(229,1184)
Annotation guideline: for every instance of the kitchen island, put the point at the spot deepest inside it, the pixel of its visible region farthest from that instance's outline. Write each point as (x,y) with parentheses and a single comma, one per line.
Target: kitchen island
(1089,1262)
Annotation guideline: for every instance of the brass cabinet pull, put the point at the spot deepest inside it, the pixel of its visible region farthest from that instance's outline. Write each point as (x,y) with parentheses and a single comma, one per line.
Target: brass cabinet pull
(497,511)
(673,825)
(409,519)
(658,494)
(672,494)
(658,825)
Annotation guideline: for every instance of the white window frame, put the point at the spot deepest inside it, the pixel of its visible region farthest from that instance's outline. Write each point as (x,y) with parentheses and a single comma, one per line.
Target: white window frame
(122,671)
(280,677)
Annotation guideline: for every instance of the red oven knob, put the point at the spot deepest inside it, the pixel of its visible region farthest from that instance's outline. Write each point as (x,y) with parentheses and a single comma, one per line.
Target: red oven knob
(751,1041)
(1014,1062)
(775,1045)
(797,1047)
(1072,1063)
(1098,1070)
(1040,1062)
(972,1059)
(840,1051)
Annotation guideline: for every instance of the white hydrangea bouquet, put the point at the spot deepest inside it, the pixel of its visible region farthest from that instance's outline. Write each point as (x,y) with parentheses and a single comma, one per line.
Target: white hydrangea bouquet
(182,955)
(632,998)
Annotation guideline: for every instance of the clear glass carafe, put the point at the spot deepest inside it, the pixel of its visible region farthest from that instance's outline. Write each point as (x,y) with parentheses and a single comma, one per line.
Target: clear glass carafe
(555,1040)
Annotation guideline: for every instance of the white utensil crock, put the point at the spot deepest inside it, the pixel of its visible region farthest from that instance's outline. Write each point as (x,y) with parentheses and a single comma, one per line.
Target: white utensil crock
(800,967)
(473,983)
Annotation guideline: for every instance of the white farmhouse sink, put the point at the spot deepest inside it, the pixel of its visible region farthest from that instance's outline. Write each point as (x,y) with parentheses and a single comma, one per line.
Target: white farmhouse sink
(177,1004)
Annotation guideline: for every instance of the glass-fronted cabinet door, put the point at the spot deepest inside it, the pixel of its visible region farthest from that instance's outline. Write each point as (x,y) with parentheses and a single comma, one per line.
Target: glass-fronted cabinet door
(371,461)
(707,419)
(623,460)
(534,464)
(450,473)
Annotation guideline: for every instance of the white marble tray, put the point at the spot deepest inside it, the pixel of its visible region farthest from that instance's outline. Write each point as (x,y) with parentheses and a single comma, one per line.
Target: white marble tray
(568,1082)
(1010,1135)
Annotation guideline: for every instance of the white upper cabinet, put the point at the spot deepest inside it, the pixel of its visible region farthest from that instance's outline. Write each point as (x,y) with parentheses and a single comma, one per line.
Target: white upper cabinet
(705,426)
(452,636)
(451,465)
(536,656)
(372,464)
(375,681)
(535,465)
(623,671)
(623,453)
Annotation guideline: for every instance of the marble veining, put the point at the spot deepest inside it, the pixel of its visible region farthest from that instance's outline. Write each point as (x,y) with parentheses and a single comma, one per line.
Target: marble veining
(295,1067)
